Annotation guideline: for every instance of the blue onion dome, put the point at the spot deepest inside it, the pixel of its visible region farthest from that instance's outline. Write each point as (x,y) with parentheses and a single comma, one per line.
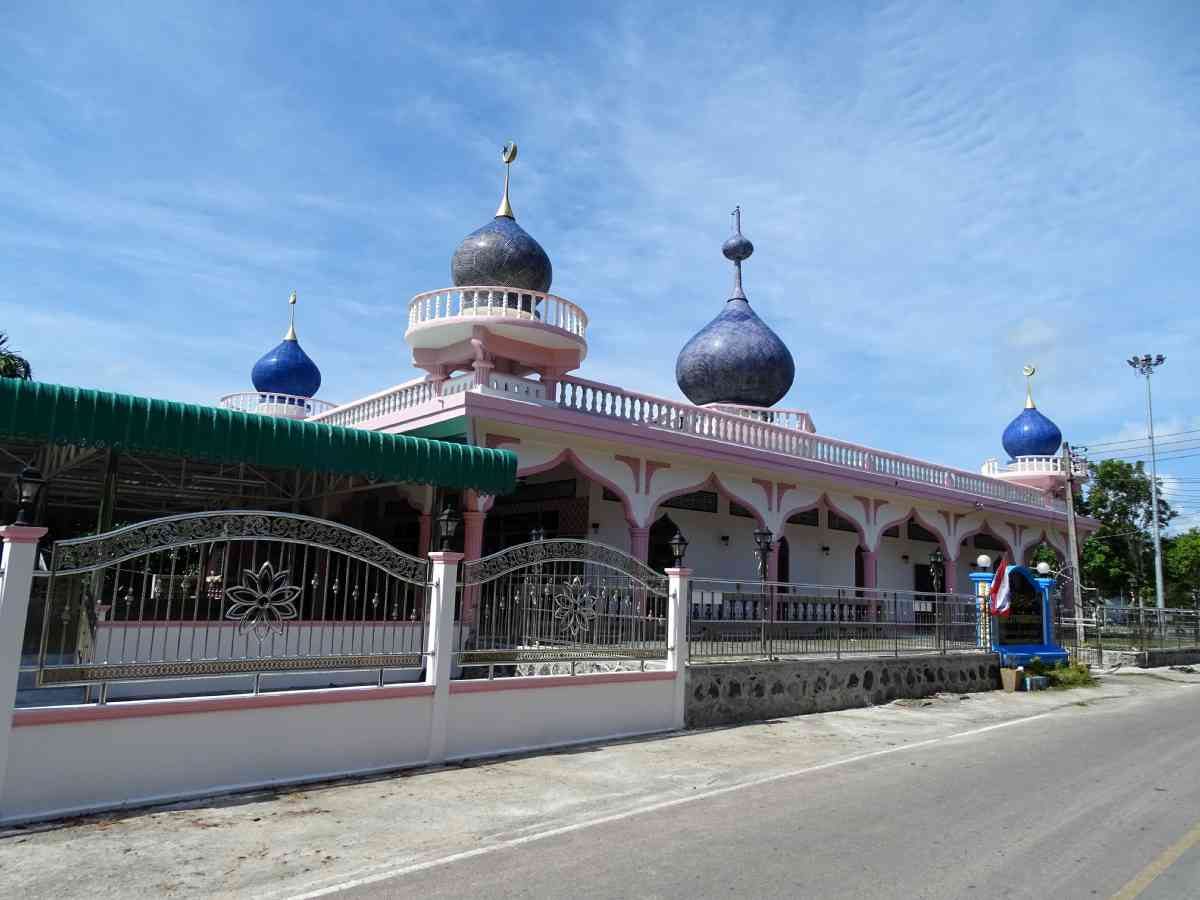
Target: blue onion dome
(735,358)
(1031,433)
(502,253)
(287,369)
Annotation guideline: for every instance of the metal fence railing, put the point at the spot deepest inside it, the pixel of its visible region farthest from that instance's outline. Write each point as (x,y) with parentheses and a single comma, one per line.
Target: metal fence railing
(1133,628)
(229,593)
(560,601)
(730,619)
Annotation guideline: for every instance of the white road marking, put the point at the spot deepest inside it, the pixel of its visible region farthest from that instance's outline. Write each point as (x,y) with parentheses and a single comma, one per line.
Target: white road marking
(411,868)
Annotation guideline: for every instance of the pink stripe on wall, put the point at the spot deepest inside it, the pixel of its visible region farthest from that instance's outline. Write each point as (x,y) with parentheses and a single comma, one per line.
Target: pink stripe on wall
(550,681)
(185,706)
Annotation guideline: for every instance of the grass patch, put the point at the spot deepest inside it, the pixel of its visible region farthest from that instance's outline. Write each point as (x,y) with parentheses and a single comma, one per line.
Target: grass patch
(1062,676)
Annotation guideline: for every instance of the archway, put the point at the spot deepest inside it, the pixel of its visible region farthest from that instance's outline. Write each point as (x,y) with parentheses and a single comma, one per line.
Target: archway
(661,556)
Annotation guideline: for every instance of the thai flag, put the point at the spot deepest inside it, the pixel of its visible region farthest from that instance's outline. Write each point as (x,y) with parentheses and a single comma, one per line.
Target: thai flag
(999,605)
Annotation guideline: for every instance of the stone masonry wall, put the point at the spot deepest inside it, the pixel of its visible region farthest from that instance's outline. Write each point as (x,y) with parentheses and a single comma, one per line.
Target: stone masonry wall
(728,693)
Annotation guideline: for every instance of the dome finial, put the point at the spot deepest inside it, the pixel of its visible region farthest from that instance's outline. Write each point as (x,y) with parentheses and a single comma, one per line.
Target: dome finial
(737,249)
(508,155)
(291,332)
(1029,372)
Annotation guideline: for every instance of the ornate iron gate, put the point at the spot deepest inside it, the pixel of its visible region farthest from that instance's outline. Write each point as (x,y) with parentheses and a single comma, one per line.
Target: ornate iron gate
(221,593)
(561,600)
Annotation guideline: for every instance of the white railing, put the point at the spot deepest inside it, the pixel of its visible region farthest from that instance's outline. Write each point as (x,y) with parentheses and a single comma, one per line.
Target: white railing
(513,386)
(1032,465)
(795,419)
(396,399)
(288,405)
(465,303)
(656,412)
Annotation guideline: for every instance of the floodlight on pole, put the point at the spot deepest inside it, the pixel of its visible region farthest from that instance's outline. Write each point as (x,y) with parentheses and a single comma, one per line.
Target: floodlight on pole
(1145,365)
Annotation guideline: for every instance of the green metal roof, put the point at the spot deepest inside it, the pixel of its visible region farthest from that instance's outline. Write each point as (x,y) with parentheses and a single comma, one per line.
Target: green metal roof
(88,418)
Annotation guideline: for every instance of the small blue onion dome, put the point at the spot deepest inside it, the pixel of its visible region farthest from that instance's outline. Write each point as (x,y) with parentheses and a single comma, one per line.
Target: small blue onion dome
(735,358)
(1031,433)
(502,253)
(287,369)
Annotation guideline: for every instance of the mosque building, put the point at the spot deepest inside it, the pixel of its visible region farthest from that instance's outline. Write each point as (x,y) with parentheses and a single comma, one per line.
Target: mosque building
(500,356)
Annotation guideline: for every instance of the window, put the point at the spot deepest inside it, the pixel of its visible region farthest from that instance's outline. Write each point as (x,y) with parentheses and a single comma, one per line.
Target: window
(918,533)
(698,501)
(810,517)
(840,523)
(736,509)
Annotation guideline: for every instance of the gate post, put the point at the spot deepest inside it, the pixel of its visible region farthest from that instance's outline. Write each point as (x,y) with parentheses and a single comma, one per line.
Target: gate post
(16,582)
(678,608)
(439,644)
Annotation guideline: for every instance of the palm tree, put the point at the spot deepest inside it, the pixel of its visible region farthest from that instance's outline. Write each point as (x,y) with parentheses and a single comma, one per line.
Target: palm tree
(12,364)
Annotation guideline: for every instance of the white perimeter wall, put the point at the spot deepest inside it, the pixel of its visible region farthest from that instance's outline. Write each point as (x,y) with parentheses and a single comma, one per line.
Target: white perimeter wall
(137,754)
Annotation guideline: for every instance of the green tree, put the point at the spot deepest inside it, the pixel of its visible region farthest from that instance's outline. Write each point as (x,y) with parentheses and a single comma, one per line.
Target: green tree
(1119,558)
(12,364)
(1181,559)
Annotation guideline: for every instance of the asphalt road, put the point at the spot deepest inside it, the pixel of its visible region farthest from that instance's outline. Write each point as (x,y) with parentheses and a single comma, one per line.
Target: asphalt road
(1088,801)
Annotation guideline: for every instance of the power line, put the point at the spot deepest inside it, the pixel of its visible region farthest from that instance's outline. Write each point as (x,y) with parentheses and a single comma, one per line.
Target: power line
(1145,440)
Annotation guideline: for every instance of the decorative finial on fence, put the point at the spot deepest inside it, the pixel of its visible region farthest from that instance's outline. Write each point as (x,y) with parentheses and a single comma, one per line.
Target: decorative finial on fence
(508,155)
(1029,372)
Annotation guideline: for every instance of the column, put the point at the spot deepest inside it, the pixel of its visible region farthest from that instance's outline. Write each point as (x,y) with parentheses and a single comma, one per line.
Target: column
(772,575)
(472,549)
(870,561)
(950,571)
(639,543)
(16,582)
(425,534)
(483,372)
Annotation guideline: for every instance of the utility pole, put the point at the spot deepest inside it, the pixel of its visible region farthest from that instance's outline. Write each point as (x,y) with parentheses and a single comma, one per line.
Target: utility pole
(1146,365)
(1068,463)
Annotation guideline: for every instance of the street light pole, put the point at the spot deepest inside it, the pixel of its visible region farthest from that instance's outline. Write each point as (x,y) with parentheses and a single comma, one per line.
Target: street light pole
(1146,365)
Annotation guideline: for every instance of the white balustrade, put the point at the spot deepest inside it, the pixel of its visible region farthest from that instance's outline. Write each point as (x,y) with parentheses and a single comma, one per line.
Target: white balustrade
(286,405)
(1033,465)
(795,419)
(393,400)
(451,304)
(612,402)
(519,388)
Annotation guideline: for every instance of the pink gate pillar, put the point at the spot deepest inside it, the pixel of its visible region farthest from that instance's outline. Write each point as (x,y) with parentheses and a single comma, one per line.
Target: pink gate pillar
(472,549)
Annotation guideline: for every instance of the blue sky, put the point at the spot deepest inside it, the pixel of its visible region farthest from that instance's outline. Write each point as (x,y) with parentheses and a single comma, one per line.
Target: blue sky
(938,193)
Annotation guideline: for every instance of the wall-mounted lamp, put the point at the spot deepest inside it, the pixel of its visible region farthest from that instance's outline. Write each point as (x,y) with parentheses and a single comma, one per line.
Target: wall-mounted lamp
(679,545)
(595,528)
(825,549)
(447,524)
(904,557)
(724,540)
(29,485)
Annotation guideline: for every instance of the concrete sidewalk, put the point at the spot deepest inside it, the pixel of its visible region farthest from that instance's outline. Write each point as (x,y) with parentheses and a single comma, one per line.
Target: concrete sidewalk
(289,843)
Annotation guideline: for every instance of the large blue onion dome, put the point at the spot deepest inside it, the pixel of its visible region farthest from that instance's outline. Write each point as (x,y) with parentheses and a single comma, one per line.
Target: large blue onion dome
(287,369)
(1031,433)
(502,253)
(735,358)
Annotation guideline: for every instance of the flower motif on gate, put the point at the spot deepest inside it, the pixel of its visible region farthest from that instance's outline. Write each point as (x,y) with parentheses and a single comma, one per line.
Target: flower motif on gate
(262,601)
(574,607)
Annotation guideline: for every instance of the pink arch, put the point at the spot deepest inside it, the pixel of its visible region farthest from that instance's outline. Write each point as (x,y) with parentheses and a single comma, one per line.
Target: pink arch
(711,481)
(568,455)
(985,528)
